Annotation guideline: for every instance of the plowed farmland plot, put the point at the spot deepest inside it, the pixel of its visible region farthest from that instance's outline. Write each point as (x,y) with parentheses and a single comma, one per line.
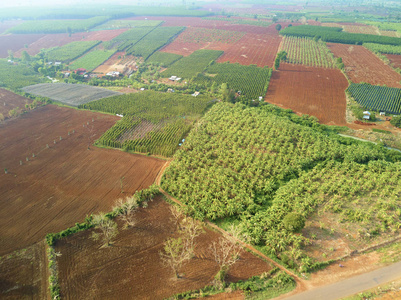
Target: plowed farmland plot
(53,183)
(71,94)
(61,39)
(258,49)
(15,42)
(394,59)
(307,90)
(194,38)
(114,63)
(361,65)
(361,28)
(9,101)
(23,274)
(132,269)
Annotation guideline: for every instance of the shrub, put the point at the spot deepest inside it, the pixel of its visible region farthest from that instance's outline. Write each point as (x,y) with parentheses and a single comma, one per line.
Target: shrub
(294,222)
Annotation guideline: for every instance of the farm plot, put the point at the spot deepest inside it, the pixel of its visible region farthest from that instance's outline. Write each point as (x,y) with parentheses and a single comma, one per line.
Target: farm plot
(119,62)
(91,60)
(135,255)
(67,179)
(307,90)
(258,49)
(17,280)
(195,38)
(361,28)
(10,101)
(4,25)
(61,39)
(395,60)
(118,24)
(361,65)
(71,94)
(307,52)
(16,42)
(70,51)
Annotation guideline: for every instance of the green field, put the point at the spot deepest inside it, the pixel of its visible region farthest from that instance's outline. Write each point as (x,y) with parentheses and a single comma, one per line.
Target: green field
(163,58)
(117,24)
(384,49)
(91,60)
(70,51)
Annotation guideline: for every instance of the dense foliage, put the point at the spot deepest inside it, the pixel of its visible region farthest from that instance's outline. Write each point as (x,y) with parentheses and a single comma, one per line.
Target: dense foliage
(163,58)
(15,77)
(250,81)
(91,60)
(257,167)
(387,49)
(379,98)
(336,35)
(306,51)
(70,51)
(153,41)
(128,38)
(189,66)
(153,122)
(58,26)
(396,121)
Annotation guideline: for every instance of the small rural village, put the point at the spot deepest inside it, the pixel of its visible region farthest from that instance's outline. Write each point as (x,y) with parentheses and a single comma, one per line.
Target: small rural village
(241,149)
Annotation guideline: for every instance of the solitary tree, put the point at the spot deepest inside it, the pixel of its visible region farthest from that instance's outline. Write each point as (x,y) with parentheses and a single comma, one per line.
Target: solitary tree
(175,254)
(25,56)
(278,27)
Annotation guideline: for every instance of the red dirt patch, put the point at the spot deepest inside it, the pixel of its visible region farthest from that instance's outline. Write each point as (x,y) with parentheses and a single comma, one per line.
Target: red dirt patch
(314,91)
(65,182)
(61,39)
(395,60)
(124,64)
(258,49)
(9,101)
(15,42)
(132,266)
(363,66)
(23,274)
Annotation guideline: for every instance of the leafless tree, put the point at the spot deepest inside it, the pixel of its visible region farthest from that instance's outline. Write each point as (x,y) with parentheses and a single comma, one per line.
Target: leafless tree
(190,229)
(107,227)
(175,253)
(177,215)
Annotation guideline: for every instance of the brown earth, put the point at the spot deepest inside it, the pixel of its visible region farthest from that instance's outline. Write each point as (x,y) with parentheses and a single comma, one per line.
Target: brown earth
(395,60)
(9,101)
(314,91)
(23,274)
(65,182)
(361,65)
(114,63)
(61,39)
(132,268)
(16,42)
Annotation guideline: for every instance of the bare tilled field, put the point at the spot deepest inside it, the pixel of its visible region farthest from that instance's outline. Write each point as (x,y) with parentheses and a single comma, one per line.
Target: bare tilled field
(361,65)
(10,101)
(314,91)
(53,183)
(395,60)
(23,274)
(16,42)
(114,63)
(131,267)
(71,94)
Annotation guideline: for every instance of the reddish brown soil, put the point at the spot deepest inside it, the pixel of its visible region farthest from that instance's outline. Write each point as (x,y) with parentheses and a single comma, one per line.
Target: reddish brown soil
(258,49)
(361,28)
(9,101)
(363,123)
(23,274)
(361,65)
(65,182)
(4,25)
(60,39)
(15,42)
(314,23)
(395,60)
(314,91)
(131,267)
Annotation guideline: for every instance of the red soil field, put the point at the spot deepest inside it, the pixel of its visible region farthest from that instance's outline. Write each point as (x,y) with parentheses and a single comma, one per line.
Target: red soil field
(9,101)
(66,181)
(395,60)
(15,42)
(361,65)
(314,91)
(132,269)
(314,23)
(255,49)
(23,274)
(61,39)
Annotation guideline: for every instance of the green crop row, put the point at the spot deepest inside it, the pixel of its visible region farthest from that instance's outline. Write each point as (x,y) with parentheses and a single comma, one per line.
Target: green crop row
(91,60)
(70,51)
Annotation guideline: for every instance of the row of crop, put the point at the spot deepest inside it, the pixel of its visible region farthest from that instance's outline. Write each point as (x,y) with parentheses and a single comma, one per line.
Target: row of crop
(306,51)
(58,26)
(196,35)
(379,98)
(336,35)
(385,49)
(128,38)
(153,41)
(250,82)
(189,66)
(163,58)
(262,23)
(70,51)
(92,59)
(117,24)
